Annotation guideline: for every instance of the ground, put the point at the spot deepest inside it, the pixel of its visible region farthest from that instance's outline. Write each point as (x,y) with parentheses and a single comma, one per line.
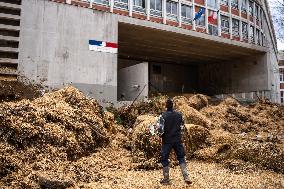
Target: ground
(115,173)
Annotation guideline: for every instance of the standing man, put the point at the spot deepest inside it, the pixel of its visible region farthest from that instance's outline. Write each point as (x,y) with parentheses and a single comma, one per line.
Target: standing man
(171,125)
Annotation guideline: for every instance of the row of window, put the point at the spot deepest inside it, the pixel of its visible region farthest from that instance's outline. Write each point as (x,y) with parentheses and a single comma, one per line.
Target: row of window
(172,8)
(186,16)
(235,5)
(225,27)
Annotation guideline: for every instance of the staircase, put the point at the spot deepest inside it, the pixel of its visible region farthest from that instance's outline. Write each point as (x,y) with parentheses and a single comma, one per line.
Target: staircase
(10,16)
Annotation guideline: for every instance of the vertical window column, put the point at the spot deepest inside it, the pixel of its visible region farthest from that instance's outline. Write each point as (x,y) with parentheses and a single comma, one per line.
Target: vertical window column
(219,18)
(240,8)
(164,9)
(148,6)
(230,19)
(179,13)
(206,16)
(193,15)
(248,18)
(111,5)
(130,7)
(254,23)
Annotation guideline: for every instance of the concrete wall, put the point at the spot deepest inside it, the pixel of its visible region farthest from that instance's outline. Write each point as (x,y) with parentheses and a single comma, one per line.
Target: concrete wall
(54,47)
(133,82)
(53,51)
(174,78)
(241,76)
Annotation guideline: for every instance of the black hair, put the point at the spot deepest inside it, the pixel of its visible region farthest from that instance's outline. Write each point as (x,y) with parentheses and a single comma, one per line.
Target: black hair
(169,104)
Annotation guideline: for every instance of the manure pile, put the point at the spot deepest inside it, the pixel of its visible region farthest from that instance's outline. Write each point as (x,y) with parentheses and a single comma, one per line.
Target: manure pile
(66,140)
(53,130)
(227,132)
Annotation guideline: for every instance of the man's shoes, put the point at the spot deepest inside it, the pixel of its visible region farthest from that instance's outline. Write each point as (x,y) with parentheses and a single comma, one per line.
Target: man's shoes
(185,173)
(187,181)
(166,179)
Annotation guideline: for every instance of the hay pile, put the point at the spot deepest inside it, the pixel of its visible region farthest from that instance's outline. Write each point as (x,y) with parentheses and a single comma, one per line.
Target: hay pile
(65,140)
(198,101)
(191,115)
(223,132)
(127,115)
(55,129)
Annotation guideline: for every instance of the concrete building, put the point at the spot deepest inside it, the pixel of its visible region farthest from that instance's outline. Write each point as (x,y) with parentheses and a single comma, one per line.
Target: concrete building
(230,49)
(281,76)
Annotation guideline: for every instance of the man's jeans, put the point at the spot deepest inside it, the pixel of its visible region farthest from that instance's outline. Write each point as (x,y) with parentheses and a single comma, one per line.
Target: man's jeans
(179,150)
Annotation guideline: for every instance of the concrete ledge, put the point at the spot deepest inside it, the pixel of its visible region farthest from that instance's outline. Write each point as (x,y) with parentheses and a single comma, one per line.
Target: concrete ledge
(10,16)
(9,5)
(8,71)
(9,49)
(9,27)
(8,38)
(8,61)
(8,77)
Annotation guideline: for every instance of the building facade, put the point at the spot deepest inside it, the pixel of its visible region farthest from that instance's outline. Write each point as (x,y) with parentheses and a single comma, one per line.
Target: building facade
(216,47)
(281,76)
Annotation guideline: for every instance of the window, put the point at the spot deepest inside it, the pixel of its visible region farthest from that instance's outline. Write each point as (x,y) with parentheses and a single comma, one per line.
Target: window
(245,30)
(251,30)
(172,10)
(139,5)
(186,13)
(156,7)
(257,36)
(244,6)
(235,4)
(235,27)
(212,3)
(224,2)
(282,97)
(104,2)
(256,12)
(250,8)
(123,4)
(200,21)
(225,25)
(157,69)
(213,30)
(281,71)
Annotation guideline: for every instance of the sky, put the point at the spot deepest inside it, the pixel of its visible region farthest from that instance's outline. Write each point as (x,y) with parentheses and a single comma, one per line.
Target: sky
(272,4)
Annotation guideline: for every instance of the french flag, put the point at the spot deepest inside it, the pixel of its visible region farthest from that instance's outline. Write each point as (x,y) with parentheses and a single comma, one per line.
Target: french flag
(102,46)
(212,18)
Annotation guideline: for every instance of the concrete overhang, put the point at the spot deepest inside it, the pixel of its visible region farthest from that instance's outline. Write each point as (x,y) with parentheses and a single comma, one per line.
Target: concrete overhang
(144,40)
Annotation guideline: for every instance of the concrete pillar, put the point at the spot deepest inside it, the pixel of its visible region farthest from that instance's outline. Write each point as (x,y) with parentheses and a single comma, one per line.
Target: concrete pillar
(111,5)
(179,13)
(164,9)
(230,20)
(240,7)
(254,23)
(193,15)
(206,17)
(219,18)
(241,29)
(248,18)
(148,9)
(240,21)
(130,4)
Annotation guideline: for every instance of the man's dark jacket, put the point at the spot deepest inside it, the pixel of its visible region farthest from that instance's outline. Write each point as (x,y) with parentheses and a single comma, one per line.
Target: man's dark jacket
(172,128)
